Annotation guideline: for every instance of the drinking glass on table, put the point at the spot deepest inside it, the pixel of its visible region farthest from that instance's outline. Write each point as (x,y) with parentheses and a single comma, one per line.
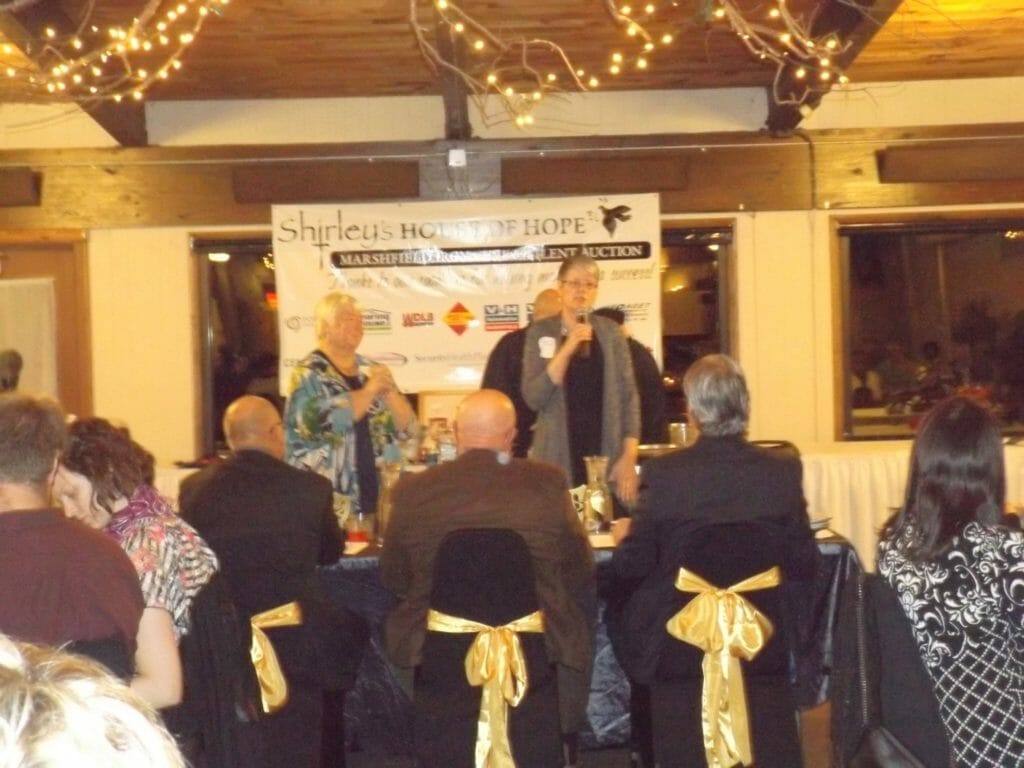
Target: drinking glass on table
(359,527)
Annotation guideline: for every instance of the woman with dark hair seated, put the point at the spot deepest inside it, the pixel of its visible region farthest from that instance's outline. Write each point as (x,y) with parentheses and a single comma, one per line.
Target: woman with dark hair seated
(105,480)
(958,569)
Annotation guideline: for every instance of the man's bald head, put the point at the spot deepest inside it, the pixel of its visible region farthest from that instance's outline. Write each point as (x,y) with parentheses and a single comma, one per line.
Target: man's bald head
(252,423)
(485,419)
(547,304)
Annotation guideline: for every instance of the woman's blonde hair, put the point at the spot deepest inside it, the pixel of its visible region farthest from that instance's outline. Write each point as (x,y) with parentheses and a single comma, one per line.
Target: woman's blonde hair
(58,709)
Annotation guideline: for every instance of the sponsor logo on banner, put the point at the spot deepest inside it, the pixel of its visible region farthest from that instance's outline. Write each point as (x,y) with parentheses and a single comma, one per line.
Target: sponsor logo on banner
(295,322)
(501,317)
(376,321)
(416,319)
(631,273)
(637,311)
(458,318)
(388,358)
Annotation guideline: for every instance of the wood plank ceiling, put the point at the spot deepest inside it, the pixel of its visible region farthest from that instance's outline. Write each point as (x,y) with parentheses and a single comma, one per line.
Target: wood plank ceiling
(271,49)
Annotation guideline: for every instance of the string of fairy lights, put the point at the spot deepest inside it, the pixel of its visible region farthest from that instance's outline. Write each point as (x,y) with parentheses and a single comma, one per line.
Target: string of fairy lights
(92,64)
(523,72)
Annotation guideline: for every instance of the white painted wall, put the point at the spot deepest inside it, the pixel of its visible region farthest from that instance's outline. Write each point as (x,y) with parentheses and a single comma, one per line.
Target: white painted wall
(144,336)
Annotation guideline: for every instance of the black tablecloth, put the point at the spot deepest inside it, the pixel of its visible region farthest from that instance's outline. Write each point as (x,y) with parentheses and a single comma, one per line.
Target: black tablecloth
(378,713)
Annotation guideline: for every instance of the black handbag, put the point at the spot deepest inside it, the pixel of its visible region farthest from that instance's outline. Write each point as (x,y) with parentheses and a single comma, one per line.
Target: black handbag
(878,747)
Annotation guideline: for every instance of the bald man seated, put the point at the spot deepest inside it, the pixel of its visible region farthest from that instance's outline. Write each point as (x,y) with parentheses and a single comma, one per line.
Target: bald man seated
(486,488)
(271,525)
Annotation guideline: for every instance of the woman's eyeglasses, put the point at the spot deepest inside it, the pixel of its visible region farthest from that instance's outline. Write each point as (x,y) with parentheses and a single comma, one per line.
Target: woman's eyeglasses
(577,284)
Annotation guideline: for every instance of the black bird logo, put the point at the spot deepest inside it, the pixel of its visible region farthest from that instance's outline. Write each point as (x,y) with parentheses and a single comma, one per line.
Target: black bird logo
(614,215)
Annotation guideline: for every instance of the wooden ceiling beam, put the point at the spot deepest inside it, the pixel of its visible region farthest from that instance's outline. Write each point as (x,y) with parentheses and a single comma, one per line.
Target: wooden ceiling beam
(951,162)
(454,92)
(856,23)
(125,122)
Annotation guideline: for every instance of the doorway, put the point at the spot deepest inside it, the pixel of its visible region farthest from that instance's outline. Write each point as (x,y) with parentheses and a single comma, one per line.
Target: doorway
(45,314)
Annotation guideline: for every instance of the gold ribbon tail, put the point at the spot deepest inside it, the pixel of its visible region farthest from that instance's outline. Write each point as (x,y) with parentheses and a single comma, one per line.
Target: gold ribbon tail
(273,685)
(727,627)
(495,662)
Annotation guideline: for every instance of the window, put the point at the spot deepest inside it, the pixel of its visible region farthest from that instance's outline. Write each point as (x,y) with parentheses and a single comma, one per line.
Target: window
(693,303)
(932,309)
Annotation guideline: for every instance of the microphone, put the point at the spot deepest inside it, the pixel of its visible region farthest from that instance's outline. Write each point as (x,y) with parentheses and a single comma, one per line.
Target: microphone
(583,350)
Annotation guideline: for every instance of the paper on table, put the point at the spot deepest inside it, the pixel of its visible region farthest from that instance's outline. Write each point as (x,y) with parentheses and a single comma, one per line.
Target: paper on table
(601,540)
(355,547)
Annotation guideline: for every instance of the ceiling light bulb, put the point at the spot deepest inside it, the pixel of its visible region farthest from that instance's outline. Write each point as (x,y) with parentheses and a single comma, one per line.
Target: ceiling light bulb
(492,78)
(666,39)
(800,73)
(460,27)
(479,45)
(626,10)
(593,82)
(614,69)
(552,77)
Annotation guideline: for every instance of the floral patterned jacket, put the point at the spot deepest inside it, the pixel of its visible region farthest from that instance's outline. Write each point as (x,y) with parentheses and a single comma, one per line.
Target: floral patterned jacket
(967,612)
(320,428)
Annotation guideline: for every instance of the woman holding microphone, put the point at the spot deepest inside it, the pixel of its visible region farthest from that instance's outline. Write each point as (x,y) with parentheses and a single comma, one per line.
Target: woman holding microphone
(344,413)
(578,377)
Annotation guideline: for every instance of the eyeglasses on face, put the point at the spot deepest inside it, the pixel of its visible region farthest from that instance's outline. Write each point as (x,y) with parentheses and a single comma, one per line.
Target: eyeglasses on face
(589,285)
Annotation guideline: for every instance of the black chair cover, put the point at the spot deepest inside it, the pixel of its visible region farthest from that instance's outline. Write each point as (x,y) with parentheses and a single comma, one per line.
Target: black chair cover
(724,554)
(485,575)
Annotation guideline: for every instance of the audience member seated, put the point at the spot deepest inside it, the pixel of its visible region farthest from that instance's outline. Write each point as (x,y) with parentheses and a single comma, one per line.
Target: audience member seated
(720,479)
(270,525)
(60,582)
(958,571)
(105,480)
(58,710)
(486,488)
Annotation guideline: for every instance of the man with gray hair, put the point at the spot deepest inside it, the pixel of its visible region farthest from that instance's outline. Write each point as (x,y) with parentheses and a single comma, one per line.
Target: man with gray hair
(60,581)
(721,478)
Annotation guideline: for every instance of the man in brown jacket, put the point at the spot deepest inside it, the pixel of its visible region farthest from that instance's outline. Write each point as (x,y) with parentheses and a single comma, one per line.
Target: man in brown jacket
(486,488)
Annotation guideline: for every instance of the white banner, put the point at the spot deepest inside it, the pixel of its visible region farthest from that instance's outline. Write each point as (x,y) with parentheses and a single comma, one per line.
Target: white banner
(441,282)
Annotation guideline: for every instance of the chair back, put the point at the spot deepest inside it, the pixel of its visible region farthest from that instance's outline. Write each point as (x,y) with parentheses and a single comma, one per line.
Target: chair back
(724,554)
(781,446)
(221,702)
(484,574)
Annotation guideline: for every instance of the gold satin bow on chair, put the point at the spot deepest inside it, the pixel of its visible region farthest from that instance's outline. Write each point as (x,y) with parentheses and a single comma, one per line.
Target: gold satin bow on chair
(727,627)
(273,686)
(495,661)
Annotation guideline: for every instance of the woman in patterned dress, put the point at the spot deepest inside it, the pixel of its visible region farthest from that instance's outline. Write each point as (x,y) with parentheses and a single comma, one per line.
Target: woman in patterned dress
(105,480)
(957,565)
(344,412)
